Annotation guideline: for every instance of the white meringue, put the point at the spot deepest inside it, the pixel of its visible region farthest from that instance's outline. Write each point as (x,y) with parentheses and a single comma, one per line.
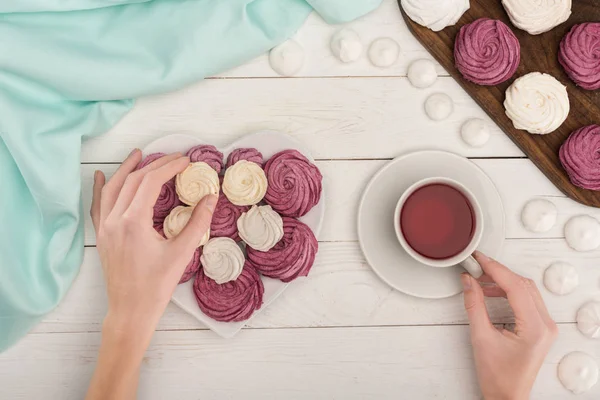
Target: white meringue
(421,73)
(435,14)
(261,228)
(588,319)
(177,220)
(561,278)
(346,45)
(287,59)
(539,215)
(439,106)
(384,52)
(582,233)
(222,260)
(537,103)
(195,182)
(537,16)
(245,183)
(475,132)
(578,372)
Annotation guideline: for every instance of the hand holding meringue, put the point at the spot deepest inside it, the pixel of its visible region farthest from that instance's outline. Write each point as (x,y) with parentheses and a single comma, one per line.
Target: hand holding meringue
(260,228)
(195,182)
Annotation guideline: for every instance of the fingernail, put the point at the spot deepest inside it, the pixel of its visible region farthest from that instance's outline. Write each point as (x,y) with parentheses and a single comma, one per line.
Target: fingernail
(211,202)
(481,256)
(133,152)
(96,172)
(466,281)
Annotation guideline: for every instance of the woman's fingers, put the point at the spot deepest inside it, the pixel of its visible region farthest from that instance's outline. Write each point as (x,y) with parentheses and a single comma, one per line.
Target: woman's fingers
(517,289)
(148,190)
(134,180)
(95,212)
(493,291)
(479,319)
(541,306)
(187,241)
(111,190)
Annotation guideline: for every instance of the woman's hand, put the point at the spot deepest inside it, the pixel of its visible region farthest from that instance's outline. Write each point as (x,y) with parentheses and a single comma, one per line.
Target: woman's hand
(141,268)
(507,362)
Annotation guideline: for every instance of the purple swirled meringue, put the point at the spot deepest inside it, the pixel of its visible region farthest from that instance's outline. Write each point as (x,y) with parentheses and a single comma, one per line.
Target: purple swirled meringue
(208,154)
(294,183)
(579,55)
(487,52)
(167,201)
(580,157)
(248,154)
(193,266)
(224,221)
(149,159)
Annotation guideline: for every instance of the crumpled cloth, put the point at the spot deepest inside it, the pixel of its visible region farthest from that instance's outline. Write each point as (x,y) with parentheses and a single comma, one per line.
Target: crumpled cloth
(69,70)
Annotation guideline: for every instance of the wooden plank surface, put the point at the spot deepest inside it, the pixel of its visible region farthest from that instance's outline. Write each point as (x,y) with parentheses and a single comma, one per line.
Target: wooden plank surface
(538,54)
(349,363)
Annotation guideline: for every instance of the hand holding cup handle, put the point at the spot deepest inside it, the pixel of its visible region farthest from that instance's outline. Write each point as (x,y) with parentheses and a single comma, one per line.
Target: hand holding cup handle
(472,267)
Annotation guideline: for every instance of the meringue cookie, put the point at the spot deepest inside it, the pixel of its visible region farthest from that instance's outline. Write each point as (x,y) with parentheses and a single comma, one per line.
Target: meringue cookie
(383,52)
(177,220)
(295,184)
(475,132)
(292,257)
(537,16)
(248,154)
(195,182)
(233,301)
(435,14)
(208,154)
(539,215)
(149,159)
(578,372)
(583,233)
(579,55)
(537,103)
(261,228)
(222,260)
(421,73)
(561,278)
(192,268)
(588,319)
(439,106)
(346,45)
(287,59)
(245,183)
(224,220)
(487,52)
(167,200)
(579,157)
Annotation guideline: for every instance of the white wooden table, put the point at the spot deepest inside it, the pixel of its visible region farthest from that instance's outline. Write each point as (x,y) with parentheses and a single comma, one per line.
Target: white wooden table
(340,333)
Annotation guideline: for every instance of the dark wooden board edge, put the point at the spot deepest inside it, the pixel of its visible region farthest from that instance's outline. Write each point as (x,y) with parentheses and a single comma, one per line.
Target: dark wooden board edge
(538,53)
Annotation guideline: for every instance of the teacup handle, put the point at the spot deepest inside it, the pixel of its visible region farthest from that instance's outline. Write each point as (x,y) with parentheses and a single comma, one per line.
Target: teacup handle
(472,267)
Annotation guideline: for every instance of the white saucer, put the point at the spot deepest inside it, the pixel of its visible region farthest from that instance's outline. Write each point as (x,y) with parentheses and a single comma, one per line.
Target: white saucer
(376,233)
(268,143)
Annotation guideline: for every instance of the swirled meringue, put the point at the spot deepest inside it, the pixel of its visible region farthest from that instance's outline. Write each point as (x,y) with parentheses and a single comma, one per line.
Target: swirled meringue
(193,267)
(435,14)
(537,16)
(537,103)
(487,52)
(167,200)
(232,301)
(149,159)
(295,184)
(292,257)
(177,220)
(248,154)
(261,228)
(224,221)
(579,55)
(195,182)
(588,319)
(208,154)
(245,183)
(222,260)
(579,156)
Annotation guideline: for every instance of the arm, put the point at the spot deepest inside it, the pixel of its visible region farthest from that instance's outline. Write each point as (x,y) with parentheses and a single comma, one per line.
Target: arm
(140,267)
(507,362)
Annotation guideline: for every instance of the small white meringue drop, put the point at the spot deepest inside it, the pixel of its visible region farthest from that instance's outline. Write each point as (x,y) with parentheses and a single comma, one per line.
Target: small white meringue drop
(384,52)
(287,59)
(475,132)
(422,74)
(561,278)
(439,106)
(582,233)
(539,215)
(346,45)
(578,372)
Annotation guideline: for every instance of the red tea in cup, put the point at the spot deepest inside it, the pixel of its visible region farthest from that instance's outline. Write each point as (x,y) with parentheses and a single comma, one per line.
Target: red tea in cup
(437,221)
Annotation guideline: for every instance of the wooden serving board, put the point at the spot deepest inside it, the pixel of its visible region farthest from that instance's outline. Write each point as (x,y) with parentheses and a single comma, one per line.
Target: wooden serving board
(538,53)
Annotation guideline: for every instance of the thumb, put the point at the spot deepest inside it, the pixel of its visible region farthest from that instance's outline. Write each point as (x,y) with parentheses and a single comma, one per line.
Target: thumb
(475,306)
(199,223)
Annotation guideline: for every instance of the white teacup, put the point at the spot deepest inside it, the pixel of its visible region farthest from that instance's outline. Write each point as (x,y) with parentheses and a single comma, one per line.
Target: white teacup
(465,258)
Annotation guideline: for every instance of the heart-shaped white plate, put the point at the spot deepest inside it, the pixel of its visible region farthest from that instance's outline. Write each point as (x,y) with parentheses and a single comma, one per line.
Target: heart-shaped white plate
(268,143)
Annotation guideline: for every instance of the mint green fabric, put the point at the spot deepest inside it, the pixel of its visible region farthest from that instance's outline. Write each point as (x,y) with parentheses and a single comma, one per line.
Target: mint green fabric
(69,70)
